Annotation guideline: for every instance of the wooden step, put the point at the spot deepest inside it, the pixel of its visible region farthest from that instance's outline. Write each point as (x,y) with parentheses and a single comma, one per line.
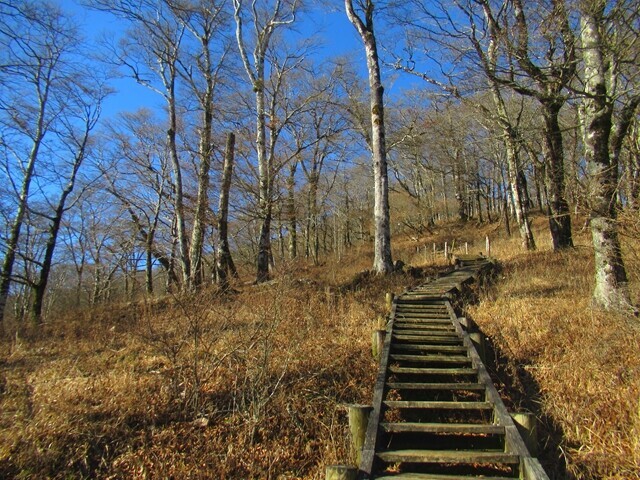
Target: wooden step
(428,326)
(425,319)
(429,348)
(450,339)
(435,476)
(422,405)
(434,371)
(428,333)
(430,358)
(453,428)
(448,456)
(422,309)
(450,386)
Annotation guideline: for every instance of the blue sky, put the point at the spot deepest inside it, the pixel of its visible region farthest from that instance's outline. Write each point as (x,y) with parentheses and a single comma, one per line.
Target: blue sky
(338,36)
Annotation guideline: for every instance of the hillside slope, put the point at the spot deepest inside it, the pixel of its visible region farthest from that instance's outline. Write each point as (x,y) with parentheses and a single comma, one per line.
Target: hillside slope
(252,384)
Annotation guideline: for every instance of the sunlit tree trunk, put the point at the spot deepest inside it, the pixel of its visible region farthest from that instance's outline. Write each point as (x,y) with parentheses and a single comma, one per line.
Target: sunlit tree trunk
(382,262)
(224,262)
(291,211)
(263,28)
(610,290)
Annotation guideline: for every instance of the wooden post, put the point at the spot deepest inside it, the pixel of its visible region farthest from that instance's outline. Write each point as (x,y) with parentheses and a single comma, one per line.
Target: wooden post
(358,421)
(381,323)
(434,251)
(478,341)
(466,248)
(528,427)
(377,342)
(488,246)
(464,322)
(388,300)
(446,251)
(341,472)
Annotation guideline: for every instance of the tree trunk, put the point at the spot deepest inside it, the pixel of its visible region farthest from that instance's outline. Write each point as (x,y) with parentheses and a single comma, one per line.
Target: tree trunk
(148,271)
(224,261)
(291,211)
(202,198)
(382,262)
(23,198)
(445,197)
(183,244)
(40,288)
(460,193)
(264,200)
(610,290)
(515,180)
(312,219)
(560,218)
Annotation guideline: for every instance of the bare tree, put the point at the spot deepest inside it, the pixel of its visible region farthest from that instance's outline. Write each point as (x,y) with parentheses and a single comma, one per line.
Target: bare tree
(382,261)
(84,102)
(207,22)
(269,88)
(468,37)
(603,134)
(137,175)
(150,53)
(224,261)
(40,81)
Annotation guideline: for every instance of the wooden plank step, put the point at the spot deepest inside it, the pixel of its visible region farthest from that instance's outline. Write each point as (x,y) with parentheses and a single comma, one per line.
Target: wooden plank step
(426,322)
(453,428)
(408,347)
(418,313)
(416,297)
(427,326)
(423,405)
(422,318)
(431,358)
(448,456)
(421,309)
(427,307)
(424,327)
(454,386)
(434,371)
(434,476)
(429,338)
(428,333)
(418,318)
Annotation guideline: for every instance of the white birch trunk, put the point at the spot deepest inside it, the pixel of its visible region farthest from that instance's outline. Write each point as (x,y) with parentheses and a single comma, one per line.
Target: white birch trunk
(382,261)
(610,291)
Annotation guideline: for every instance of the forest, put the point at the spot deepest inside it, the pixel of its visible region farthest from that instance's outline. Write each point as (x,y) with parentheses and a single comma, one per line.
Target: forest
(270,168)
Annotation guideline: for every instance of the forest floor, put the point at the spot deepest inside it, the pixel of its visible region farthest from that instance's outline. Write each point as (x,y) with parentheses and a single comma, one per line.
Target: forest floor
(253,384)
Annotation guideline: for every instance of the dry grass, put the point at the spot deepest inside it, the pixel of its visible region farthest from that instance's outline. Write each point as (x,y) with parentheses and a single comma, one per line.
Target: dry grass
(252,385)
(581,364)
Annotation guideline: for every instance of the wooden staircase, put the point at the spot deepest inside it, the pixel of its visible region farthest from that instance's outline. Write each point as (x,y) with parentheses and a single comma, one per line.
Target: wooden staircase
(436,413)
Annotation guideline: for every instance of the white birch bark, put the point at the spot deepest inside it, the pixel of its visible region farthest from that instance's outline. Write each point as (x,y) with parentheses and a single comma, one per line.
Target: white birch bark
(382,261)
(611,290)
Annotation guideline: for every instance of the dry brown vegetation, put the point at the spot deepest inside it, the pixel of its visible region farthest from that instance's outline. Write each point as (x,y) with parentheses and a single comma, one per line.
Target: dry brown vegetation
(578,368)
(248,385)
(252,384)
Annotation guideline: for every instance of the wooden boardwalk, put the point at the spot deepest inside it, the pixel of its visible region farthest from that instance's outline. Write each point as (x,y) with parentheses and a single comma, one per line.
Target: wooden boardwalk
(436,413)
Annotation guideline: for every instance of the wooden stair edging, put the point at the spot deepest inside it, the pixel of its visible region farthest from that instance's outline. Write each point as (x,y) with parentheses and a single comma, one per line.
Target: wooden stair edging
(468,270)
